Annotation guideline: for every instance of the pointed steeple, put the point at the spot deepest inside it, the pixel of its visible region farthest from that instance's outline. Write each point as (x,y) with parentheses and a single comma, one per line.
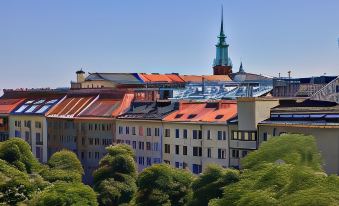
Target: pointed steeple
(241,69)
(222,22)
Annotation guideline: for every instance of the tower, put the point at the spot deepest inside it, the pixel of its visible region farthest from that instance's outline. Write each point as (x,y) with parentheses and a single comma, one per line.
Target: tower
(222,64)
(80,76)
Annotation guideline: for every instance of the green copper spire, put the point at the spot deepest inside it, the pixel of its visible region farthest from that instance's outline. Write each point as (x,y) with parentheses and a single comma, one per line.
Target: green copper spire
(222,58)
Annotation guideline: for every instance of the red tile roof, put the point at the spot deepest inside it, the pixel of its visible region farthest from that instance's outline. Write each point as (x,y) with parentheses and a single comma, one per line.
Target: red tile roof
(8,105)
(219,111)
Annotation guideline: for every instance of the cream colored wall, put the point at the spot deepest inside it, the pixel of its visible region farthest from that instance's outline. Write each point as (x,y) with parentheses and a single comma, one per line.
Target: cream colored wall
(327,140)
(189,159)
(143,138)
(32,132)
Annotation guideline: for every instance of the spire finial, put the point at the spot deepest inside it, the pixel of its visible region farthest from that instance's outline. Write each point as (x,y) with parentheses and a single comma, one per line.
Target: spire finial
(222,21)
(241,69)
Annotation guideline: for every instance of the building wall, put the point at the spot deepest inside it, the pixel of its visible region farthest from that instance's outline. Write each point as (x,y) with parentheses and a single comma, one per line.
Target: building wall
(97,84)
(33,129)
(327,140)
(195,162)
(147,147)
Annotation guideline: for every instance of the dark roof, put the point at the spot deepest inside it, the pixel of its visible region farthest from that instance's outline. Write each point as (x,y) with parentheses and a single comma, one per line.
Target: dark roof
(305,106)
(150,110)
(117,78)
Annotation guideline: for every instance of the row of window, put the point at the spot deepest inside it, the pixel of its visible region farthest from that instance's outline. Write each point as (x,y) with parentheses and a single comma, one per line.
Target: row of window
(132,130)
(27,123)
(244,135)
(91,155)
(27,137)
(140,145)
(196,168)
(197,151)
(141,161)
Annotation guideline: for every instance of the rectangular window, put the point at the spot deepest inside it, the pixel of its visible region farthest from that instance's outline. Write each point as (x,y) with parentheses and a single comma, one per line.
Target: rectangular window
(38,125)
(208,134)
(196,169)
(167,148)
(177,149)
(149,161)
(197,151)
(265,136)
(195,134)
(184,150)
(148,146)
(148,132)
(17,133)
(235,153)
(185,134)
(134,144)
(177,135)
(167,132)
(157,132)
(221,153)
(38,139)
(141,160)
(133,130)
(127,130)
(27,136)
(177,164)
(156,146)
(224,135)
(219,135)
(209,153)
(244,153)
(121,130)
(141,145)
(200,134)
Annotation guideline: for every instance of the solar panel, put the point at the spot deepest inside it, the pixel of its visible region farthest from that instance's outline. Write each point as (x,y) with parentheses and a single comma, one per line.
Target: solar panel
(21,109)
(301,116)
(286,115)
(52,101)
(31,109)
(317,115)
(43,109)
(30,102)
(40,101)
(332,116)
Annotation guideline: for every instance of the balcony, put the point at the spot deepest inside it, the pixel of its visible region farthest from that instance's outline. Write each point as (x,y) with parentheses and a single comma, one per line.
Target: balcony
(243,144)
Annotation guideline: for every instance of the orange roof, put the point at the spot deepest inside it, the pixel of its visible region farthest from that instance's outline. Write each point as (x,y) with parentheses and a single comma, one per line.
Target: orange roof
(219,111)
(124,105)
(199,78)
(161,78)
(71,106)
(7,105)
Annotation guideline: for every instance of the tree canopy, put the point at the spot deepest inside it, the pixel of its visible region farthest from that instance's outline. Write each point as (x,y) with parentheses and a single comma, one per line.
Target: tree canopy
(162,184)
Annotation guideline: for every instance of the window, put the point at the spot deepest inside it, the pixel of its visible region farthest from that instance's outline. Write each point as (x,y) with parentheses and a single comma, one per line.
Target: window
(208,134)
(200,134)
(156,146)
(127,130)
(134,144)
(235,153)
(167,148)
(96,155)
(37,124)
(141,131)
(177,135)
(244,153)
(219,116)
(121,130)
(27,136)
(27,124)
(185,134)
(234,135)
(149,161)
(197,151)
(337,89)
(167,132)
(219,135)
(38,139)
(89,155)
(141,160)
(191,116)
(265,136)
(177,164)
(178,116)
(148,146)
(196,169)
(195,134)
(209,153)
(133,130)
(184,150)
(167,162)
(148,132)
(17,133)
(177,149)
(221,153)
(157,132)
(141,145)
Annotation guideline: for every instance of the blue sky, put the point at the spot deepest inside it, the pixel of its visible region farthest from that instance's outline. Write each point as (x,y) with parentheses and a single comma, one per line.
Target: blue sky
(42,43)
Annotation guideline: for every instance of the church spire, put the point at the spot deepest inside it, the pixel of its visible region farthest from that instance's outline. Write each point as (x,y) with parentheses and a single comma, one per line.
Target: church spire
(241,69)
(222,22)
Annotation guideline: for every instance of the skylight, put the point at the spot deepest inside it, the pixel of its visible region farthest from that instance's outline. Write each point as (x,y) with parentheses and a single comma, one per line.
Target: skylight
(43,109)
(40,101)
(52,101)
(219,116)
(178,116)
(191,116)
(31,109)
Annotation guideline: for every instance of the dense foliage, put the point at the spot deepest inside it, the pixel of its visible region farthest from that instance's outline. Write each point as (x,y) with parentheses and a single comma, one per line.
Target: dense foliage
(115,179)
(23,180)
(161,184)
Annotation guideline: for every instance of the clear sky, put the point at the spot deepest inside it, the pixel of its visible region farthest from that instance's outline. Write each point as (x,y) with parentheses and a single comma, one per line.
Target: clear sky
(42,43)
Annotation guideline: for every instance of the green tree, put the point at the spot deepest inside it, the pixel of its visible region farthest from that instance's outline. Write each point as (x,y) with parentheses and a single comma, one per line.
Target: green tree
(210,184)
(65,194)
(115,178)
(63,165)
(18,153)
(162,184)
